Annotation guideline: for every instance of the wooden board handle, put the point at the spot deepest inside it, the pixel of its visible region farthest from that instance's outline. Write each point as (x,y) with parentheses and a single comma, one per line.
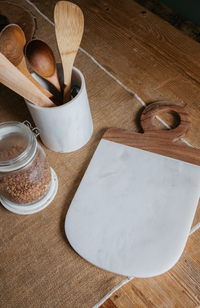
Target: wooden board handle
(154,109)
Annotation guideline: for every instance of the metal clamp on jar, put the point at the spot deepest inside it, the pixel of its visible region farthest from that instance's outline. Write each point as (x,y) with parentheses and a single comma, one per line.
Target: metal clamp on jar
(27,183)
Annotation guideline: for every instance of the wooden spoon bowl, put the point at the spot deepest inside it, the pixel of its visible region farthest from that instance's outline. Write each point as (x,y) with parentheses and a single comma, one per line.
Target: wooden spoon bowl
(12,43)
(42,61)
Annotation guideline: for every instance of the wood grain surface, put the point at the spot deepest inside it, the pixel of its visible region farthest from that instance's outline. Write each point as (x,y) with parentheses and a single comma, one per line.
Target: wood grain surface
(155,140)
(149,56)
(172,17)
(13,13)
(157,62)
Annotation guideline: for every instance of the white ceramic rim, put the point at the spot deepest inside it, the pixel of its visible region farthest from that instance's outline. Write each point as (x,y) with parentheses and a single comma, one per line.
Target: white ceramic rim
(70,102)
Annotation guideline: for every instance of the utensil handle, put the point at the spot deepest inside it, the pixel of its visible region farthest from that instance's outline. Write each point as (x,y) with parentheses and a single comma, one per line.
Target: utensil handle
(11,77)
(24,70)
(154,109)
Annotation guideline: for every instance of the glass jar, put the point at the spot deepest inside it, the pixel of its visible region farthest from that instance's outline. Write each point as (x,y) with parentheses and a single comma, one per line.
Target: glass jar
(25,175)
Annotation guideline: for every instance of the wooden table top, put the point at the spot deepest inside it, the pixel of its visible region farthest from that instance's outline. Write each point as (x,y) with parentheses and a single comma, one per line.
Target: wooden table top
(154,61)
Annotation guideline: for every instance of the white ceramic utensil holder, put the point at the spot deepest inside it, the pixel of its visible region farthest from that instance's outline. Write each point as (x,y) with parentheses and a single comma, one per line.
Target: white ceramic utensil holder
(68,127)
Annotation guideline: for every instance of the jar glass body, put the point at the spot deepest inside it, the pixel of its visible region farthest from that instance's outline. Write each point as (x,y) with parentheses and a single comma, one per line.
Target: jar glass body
(25,175)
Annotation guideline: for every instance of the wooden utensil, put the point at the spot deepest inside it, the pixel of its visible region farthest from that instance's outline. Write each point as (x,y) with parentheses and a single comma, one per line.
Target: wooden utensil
(12,42)
(133,210)
(42,61)
(11,77)
(69,26)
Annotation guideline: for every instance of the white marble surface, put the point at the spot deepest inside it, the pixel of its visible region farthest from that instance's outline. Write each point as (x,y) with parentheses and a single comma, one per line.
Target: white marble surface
(133,210)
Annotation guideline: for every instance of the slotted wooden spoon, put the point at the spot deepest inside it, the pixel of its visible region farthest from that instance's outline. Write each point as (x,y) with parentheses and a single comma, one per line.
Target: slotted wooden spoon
(69,26)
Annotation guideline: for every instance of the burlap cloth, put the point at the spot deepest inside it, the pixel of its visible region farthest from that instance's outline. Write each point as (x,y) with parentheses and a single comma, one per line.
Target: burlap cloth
(38,267)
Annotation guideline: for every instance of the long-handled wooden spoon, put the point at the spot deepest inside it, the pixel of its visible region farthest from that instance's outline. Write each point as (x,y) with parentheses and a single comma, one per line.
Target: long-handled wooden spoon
(42,61)
(69,26)
(11,77)
(12,42)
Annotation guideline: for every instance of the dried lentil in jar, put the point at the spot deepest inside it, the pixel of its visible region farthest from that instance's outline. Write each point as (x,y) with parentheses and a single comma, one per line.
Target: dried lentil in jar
(25,175)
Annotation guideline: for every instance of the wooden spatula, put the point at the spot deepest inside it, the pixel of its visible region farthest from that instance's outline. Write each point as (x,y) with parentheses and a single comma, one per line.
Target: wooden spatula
(69,26)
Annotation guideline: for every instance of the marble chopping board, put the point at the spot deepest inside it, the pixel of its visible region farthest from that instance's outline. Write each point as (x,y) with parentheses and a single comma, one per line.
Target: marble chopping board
(135,205)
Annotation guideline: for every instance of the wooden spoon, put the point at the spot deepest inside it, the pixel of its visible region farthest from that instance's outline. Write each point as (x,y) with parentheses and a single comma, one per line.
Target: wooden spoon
(42,61)
(11,77)
(69,26)
(12,42)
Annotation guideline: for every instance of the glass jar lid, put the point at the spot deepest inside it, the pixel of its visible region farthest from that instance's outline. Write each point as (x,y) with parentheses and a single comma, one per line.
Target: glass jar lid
(17,145)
